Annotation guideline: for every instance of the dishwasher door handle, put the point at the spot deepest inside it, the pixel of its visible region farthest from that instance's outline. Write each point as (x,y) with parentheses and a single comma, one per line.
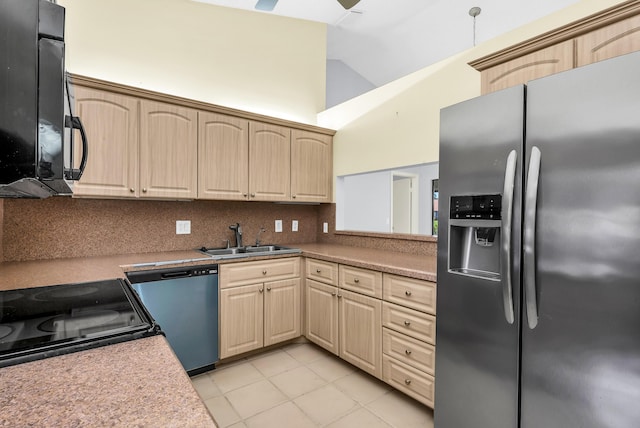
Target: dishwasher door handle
(176,274)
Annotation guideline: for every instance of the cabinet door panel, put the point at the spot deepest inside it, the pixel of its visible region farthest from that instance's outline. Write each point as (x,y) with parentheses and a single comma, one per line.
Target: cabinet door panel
(547,61)
(269,162)
(223,157)
(360,334)
(168,151)
(281,311)
(322,315)
(111,124)
(241,319)
(311,166)
(607,42)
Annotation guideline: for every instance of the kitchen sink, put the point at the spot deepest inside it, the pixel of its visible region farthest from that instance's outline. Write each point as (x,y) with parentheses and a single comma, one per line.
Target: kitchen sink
(262,248)
(251,251)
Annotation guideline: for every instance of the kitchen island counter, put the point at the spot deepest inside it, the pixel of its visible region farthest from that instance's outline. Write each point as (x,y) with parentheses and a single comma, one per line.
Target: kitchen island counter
(135,383)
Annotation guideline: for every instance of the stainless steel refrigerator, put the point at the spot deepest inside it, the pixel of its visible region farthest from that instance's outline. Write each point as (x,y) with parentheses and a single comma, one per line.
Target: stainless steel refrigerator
(539,254)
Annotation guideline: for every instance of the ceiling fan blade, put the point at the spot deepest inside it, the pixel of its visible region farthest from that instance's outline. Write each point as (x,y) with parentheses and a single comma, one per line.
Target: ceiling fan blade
(348,4)
(267,5)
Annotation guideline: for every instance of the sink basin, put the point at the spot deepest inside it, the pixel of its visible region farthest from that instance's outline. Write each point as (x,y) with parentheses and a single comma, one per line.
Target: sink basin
(221,251)
(252,251)
(262,248)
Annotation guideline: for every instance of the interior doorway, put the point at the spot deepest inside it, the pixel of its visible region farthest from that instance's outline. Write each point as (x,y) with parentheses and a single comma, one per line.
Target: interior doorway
(404,211)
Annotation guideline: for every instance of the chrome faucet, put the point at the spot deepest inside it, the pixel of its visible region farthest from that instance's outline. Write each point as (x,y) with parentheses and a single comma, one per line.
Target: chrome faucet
(262,229)
(238,230)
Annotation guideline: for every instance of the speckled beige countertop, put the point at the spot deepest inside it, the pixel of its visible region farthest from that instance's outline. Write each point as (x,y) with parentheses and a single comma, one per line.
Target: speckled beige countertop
(139,383)
(412,265)
(39,273)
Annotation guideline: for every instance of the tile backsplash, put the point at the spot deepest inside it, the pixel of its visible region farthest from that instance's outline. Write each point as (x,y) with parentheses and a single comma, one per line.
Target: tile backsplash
(60,227)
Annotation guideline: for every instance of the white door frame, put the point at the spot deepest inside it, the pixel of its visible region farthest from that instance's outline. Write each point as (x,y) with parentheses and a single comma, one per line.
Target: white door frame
(414,199)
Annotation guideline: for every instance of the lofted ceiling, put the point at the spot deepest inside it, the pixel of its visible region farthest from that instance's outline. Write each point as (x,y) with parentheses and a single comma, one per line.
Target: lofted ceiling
(383,40)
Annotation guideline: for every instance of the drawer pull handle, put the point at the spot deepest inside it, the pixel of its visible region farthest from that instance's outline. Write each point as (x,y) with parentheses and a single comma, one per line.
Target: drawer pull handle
(264,272)
(318,271)
(268,288)
(132,190)
(261,290)
(407,323)
(356,280)
(408,352)
(253,195)
(408,293)
(339,296)
(333,294)
(144,190)
(407,381)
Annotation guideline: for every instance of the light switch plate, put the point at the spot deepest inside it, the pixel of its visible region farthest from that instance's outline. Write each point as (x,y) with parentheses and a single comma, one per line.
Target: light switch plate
(294,225)
(278,225)
(183,227)
(325,227)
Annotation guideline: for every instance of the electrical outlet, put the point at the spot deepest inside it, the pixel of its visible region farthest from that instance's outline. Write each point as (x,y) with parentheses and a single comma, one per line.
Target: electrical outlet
(325,227)
(294,225)
(183,227)
(278,225)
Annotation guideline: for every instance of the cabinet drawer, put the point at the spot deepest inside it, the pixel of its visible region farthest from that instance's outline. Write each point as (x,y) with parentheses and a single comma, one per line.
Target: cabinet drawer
(363,281)
(322,271)
(408,380)
(233,275)
(417,354)
(407,321)
(413,293)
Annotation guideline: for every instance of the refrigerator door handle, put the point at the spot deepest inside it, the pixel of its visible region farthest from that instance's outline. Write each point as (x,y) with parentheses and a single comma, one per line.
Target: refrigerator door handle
(505,249)
(529,238)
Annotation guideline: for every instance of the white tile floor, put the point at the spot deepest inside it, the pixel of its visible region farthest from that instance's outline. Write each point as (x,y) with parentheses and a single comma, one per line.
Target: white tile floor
(302,385)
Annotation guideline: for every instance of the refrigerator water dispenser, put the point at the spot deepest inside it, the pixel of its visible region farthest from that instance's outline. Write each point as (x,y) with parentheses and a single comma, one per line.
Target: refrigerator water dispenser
(474,236)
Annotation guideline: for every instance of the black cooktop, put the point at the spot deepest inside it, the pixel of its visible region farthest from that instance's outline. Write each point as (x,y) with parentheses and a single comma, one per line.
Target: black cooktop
(42,322)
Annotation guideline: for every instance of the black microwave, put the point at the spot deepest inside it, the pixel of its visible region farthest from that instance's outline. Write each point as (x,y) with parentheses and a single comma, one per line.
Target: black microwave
(36,124)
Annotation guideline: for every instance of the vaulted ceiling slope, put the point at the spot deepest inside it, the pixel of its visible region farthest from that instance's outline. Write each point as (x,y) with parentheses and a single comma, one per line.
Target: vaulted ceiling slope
(384,40)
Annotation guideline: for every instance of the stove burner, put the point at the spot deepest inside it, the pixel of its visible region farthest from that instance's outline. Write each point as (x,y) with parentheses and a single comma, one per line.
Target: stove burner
(58,293)
(83,320)
(5,330)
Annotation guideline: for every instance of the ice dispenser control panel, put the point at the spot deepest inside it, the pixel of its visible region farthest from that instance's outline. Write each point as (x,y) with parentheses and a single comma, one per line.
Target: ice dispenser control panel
(477,207)
(474,236)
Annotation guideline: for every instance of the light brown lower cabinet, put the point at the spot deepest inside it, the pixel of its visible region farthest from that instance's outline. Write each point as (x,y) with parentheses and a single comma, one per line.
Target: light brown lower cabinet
(381,323)
(322,315)
(347,324)
(412,382)
(258,315)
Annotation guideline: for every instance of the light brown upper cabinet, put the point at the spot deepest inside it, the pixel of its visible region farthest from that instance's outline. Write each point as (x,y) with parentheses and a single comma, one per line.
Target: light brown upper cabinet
(137,148)
(269,162)
(311,166)
(544,62)
(611,32)
(168,151)
(223,157)
(613,40)
(144,144)
(111,124)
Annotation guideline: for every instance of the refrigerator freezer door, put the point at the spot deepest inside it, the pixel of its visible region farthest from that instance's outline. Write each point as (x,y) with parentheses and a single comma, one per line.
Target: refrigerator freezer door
(477,346)
(580,363)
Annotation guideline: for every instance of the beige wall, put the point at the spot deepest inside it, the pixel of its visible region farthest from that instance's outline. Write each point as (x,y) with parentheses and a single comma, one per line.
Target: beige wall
(247,60)
(398,124)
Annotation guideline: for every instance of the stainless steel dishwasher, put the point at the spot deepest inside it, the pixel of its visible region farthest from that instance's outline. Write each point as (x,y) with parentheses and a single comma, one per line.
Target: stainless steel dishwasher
(184,302)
